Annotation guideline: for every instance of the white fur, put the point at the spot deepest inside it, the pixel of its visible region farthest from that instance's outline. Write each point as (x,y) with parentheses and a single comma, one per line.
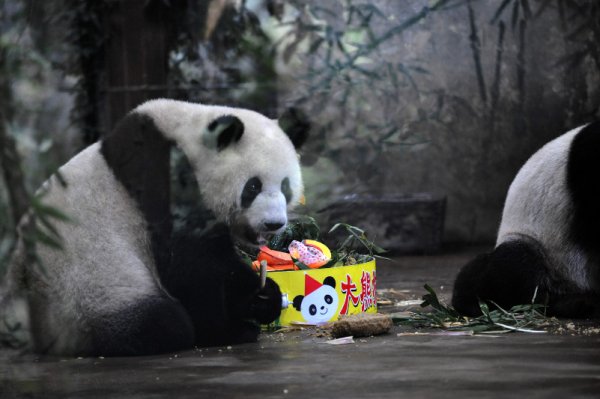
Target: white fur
(264,150)
(106,264)
(539,206)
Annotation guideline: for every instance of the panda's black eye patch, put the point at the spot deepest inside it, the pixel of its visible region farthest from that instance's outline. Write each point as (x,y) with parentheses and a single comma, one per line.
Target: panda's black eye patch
(286,190)
(251,190)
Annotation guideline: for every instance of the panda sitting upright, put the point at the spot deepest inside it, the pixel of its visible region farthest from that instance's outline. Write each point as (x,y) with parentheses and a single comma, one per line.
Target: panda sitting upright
(111,290)
(549,238)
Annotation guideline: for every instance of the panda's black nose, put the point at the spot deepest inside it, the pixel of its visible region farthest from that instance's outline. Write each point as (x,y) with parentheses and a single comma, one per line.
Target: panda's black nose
(272,226)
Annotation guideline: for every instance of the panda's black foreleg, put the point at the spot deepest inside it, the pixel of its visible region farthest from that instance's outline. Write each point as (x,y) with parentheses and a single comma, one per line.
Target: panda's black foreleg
(247,300)
(221,294)
(507,276)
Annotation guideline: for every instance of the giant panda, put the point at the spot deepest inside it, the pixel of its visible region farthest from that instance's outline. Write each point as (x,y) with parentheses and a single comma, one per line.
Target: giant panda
(111,290)
(549,236)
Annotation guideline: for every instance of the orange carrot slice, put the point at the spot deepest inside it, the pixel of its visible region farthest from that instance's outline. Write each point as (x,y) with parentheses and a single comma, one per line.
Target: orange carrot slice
(273,257)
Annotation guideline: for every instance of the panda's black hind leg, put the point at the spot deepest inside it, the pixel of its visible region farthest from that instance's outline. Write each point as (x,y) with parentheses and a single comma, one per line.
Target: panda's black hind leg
(157,324)
(507,276)
(583,182)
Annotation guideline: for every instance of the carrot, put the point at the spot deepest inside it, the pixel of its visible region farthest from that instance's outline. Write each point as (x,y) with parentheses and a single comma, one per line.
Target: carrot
(273,257)
(256,267)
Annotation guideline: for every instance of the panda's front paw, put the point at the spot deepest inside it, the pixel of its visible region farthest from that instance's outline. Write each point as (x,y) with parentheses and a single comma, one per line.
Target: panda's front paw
(266,304)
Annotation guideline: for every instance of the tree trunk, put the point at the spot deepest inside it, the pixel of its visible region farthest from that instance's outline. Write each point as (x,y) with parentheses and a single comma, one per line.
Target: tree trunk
(136,62)
(136,54)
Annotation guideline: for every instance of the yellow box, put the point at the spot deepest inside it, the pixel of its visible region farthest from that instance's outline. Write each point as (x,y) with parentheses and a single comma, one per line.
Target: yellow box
(318,296)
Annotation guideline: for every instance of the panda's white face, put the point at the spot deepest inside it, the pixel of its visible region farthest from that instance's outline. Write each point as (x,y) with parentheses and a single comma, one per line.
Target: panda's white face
(246,166)
(263,210)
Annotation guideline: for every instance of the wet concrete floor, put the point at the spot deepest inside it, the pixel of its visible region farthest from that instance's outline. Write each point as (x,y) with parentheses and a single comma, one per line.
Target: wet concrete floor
(301,364)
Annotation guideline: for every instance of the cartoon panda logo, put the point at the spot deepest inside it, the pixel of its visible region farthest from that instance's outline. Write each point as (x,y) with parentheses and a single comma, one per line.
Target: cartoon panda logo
(319,302)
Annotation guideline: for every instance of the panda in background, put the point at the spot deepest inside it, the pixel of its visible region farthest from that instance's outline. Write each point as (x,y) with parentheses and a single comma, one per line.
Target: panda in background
(111,290)
(549,236)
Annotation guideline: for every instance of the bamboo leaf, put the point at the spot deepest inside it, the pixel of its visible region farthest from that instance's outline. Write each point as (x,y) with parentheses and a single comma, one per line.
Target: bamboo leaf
(519,318)
(47,240)
(48,225)
(315,45)
(521,329)
(515,14)
(543,6)
(499,11)
(301,265)
(526,9)
(40,208)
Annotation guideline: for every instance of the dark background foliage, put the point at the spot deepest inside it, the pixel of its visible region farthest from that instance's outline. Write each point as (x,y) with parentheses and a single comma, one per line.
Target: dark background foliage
(442,96)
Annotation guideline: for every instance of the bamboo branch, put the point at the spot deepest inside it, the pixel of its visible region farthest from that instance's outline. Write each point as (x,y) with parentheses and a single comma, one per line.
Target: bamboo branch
(495,90)
(12,173)
(10,161)
(521,68)
(476,48)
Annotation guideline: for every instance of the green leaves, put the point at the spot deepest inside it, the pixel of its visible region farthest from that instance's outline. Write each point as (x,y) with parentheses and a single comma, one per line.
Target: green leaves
(529,318)
(431,299)
(39,227)
(345,48)
(356,236)
(45,232)
(303,228)
(355,247)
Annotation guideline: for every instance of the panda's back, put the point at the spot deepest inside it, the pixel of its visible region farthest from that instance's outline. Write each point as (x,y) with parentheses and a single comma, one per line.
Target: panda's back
(105,263)
(540,207)
(104,221)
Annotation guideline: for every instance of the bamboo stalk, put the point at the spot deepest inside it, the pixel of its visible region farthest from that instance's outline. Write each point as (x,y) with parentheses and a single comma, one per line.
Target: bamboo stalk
(476,48)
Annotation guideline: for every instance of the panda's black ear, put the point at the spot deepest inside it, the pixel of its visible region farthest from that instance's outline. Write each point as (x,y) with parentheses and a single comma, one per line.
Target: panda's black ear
(296,125)
(298,302)
(329,281)
(222,132)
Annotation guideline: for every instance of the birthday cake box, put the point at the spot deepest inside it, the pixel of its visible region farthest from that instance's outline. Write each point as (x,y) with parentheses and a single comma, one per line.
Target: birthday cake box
(316,289)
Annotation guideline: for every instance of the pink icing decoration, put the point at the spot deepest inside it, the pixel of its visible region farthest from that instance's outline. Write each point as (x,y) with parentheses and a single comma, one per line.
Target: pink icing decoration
(305,254)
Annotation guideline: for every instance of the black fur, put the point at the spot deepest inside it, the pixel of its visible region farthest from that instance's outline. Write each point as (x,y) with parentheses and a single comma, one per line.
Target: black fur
(221,294)
(156,325)
(511,272)
(286,190)
(296,125)
(138,154)
(509,276)
(252,188)
(221,301)
(583,182)
(232,130)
